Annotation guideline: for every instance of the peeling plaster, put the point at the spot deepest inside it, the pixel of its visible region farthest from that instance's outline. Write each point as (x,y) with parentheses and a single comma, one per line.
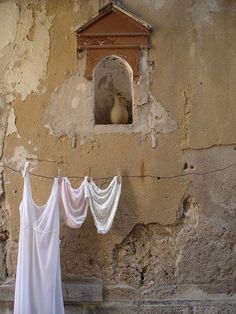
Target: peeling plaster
(8,23)
(75,102)
(9,98)
(154,254)
(11,126)
(224,192)
(19,158)
(28,65)
(8,27)
(192,251)
(4,213)
(70,109)
(159,119)
(93,7)
(11,251)
(76,6)
(4,112)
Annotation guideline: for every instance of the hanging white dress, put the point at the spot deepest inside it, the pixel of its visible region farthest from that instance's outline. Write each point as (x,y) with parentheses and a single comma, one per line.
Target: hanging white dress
(38,280)
(103,203)
(75,205)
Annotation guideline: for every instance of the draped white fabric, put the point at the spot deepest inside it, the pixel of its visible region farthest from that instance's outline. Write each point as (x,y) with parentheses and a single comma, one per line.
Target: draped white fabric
(75,206)
(38,280)
(103,202)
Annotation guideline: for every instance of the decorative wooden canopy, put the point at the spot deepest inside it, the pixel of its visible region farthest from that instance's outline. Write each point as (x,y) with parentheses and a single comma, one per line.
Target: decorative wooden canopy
(114,31)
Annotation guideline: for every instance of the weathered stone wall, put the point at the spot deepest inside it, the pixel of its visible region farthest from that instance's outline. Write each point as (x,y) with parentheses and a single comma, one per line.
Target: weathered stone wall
(172,248)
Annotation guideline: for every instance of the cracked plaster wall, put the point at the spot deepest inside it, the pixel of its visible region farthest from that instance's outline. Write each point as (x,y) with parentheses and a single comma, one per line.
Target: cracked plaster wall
(172,238)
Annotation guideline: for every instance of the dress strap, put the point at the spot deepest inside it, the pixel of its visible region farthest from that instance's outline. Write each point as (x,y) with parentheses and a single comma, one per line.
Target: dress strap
(26,187)
(25,170)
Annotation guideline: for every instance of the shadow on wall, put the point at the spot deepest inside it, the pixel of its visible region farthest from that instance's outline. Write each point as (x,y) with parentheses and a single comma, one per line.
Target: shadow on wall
(126,217)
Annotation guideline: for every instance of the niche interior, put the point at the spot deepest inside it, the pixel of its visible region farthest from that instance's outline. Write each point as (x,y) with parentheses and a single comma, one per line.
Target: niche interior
(113,80)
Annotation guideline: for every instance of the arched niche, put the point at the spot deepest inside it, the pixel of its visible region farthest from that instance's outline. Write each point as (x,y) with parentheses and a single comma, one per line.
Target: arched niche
(113,79)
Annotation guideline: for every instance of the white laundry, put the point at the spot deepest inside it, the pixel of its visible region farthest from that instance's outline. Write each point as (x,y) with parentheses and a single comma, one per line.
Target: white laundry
(38,280)
(103,202)
(75,206)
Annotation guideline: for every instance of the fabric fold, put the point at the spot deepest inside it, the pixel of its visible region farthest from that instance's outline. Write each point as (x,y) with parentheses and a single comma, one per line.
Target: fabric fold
(103,203)
(75,205)
(38,278)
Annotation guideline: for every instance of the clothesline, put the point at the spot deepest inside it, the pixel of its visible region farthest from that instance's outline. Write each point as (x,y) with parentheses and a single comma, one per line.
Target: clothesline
(130,176)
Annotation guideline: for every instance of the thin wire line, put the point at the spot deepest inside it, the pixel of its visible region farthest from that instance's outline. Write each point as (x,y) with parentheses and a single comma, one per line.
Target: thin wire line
(130,176)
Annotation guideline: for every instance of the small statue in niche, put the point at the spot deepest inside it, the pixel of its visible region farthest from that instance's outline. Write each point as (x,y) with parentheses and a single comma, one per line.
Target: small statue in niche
(119,113)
